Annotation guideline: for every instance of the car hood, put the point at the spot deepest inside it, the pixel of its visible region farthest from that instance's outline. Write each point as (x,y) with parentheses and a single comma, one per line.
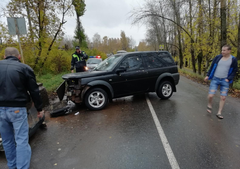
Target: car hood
(80,75)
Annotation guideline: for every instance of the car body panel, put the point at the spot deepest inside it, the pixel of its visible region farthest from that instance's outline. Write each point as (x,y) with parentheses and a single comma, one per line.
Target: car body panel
(61,90)
(93,62)
(128,83)
(172,77)
(80,75)
(102,83)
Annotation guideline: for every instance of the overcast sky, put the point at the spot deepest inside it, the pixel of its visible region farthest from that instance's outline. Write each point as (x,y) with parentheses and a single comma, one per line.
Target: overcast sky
(107,18)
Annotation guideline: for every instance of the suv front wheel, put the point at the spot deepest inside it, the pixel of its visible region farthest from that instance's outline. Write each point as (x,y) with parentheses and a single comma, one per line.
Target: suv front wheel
(165,90)
(96,99)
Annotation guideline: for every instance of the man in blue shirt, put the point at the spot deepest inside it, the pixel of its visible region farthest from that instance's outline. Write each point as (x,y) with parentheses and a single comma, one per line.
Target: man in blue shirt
(222,71)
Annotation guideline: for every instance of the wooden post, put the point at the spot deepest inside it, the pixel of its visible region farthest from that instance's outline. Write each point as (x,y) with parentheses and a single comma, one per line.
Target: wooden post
(17,32)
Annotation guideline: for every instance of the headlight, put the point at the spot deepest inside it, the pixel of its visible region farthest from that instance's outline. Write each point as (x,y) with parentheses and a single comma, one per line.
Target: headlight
(86,68)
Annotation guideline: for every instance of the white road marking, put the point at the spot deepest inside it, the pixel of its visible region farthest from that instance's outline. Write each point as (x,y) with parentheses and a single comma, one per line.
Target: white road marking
(172,160)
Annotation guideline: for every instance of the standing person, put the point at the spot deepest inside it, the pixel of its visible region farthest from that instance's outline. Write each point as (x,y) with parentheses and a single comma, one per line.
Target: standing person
(222,72)
(16,80)
(79,60)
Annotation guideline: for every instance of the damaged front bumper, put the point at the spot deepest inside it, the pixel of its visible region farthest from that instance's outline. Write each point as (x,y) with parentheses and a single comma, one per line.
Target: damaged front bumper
(74,90)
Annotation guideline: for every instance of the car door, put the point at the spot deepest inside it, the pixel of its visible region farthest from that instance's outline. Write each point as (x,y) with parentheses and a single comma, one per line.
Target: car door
(133,80)
(155,67)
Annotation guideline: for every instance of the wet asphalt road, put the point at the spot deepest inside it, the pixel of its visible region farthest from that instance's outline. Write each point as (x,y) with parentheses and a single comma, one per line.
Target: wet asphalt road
(124,136)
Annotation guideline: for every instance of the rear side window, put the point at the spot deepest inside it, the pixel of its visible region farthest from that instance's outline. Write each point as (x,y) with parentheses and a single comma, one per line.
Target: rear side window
(167,59)
(153,61)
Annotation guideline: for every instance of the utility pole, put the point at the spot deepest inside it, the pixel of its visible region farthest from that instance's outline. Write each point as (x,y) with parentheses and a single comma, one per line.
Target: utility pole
(17,26)
(17,32)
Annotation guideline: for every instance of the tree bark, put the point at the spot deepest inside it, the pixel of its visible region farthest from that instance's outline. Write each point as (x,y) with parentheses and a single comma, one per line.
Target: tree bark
(41,37)
(164,30)
(29,21)
(238,49)
(200,56)
(191,34)
(200,32)
(223,23)
(180,49)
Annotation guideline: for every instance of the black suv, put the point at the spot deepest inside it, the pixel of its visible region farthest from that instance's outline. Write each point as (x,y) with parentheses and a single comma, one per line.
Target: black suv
(121,75)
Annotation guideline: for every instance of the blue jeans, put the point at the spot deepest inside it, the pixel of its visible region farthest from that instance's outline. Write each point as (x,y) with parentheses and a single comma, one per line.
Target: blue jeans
(224,86)
(14,131)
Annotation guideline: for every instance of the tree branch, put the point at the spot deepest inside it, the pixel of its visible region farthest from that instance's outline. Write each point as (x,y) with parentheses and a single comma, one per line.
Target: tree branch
(58,31)
(234,44)
(147,13)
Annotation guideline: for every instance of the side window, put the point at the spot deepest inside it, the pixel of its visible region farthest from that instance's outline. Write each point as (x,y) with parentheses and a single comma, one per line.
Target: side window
(168,60)
(153,61)
(133,63)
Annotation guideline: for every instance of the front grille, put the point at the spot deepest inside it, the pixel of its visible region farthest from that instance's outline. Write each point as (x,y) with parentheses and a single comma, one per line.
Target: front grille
(74,83)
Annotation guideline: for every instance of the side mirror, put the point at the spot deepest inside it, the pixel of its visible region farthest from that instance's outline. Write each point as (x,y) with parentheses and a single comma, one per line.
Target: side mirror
(121,69)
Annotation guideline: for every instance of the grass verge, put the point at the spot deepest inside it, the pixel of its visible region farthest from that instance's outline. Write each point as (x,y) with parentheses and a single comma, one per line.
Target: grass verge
(51,81)
(236,85)
(234,91)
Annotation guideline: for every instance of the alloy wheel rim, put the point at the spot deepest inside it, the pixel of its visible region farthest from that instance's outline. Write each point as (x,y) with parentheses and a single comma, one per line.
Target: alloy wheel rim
(166,90)
(96,99)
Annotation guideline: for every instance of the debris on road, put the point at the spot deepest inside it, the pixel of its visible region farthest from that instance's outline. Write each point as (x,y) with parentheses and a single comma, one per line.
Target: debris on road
(66,109)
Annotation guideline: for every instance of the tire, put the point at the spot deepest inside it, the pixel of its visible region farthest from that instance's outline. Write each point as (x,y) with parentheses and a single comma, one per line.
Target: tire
(165,90)
(96,99)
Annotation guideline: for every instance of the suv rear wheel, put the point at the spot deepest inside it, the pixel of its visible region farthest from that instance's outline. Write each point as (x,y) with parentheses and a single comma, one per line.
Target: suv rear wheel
(165,90)
(96,99)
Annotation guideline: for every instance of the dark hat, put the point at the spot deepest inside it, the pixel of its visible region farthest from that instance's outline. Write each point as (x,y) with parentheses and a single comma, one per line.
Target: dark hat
(77,47)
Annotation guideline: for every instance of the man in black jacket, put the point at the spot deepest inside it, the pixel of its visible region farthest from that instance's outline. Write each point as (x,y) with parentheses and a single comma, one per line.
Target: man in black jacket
(16,80)
(79,60)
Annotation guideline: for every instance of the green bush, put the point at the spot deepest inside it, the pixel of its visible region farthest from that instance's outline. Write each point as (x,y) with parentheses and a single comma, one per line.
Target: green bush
(50,81)
(53,62)
(236,85)
(94,52)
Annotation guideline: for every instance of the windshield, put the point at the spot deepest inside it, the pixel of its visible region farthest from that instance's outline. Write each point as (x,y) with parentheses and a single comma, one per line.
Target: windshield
(93,61)
(109,63)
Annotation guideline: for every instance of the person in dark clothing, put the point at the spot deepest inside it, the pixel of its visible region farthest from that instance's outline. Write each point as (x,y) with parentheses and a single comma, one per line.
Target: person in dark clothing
(16,80)
(78,60)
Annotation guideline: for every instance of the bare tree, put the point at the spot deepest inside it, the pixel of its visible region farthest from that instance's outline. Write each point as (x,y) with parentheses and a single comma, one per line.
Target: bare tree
(151,11)
(96,40)
(223,23)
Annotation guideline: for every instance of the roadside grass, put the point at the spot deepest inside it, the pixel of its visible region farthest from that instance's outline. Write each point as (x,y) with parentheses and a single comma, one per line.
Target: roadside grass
(51,81)
(191,75)
(236,85)
(234,90)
